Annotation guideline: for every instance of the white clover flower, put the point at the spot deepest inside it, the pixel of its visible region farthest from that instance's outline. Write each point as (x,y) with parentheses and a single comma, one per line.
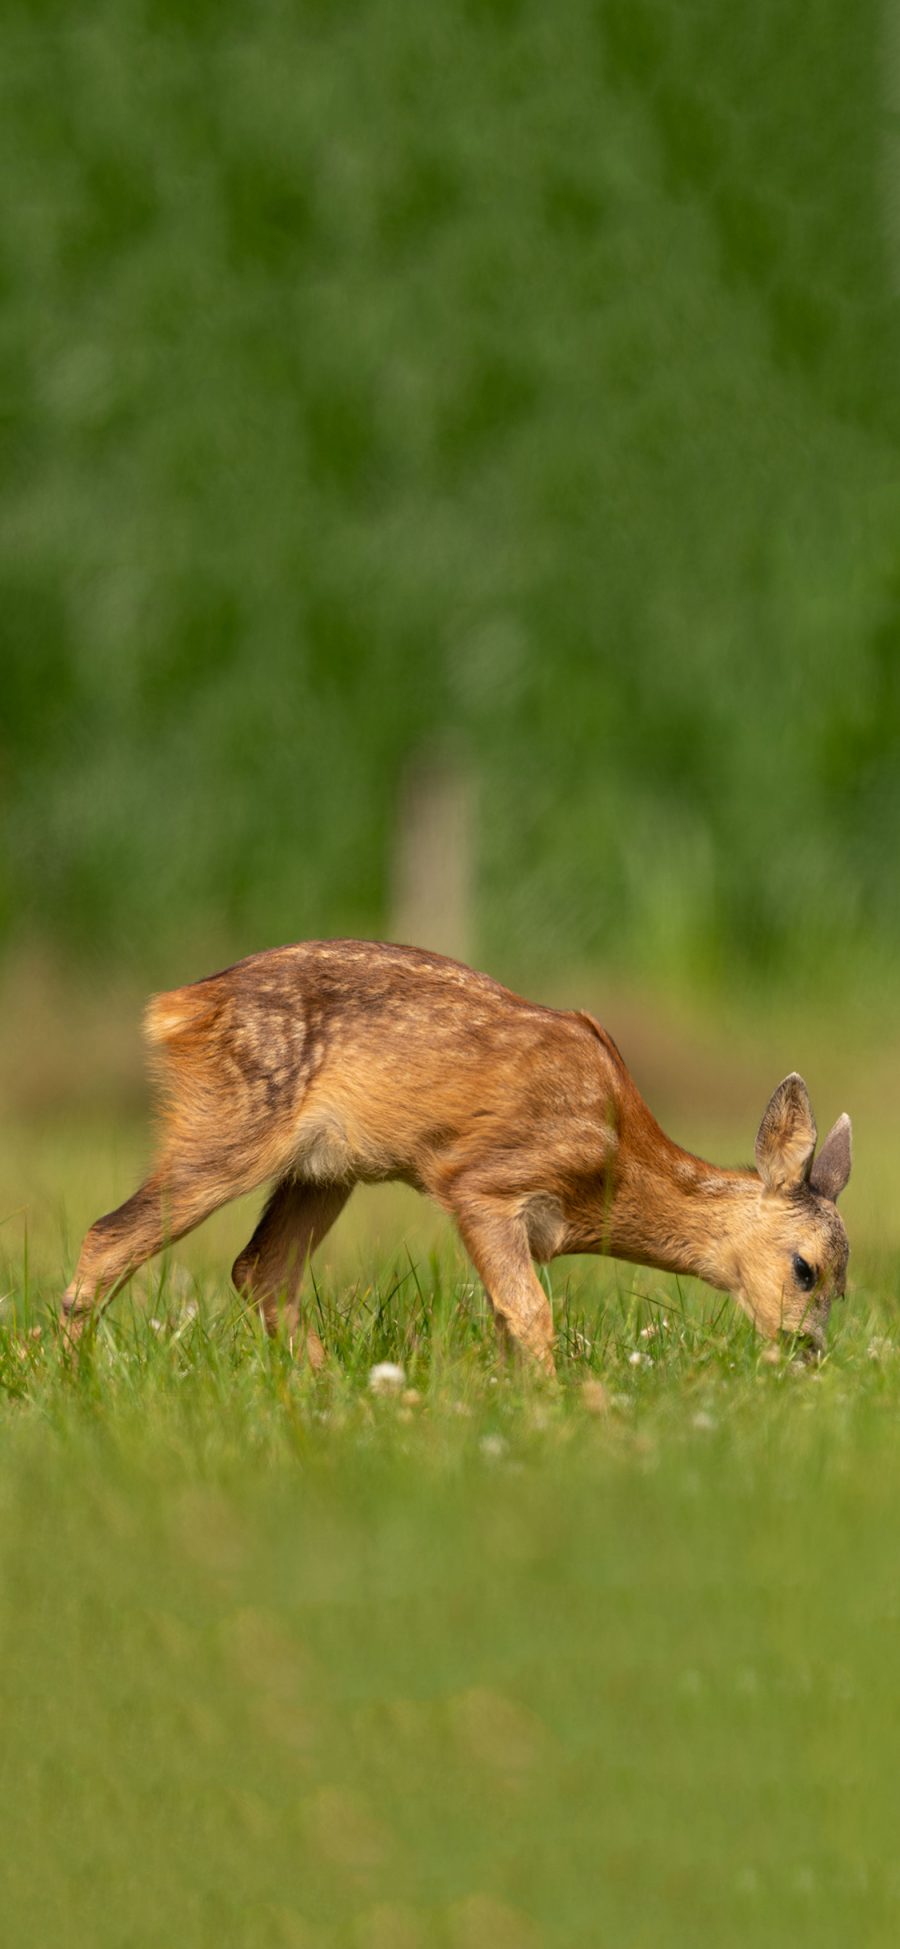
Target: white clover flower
(494,1447)
(386,1377)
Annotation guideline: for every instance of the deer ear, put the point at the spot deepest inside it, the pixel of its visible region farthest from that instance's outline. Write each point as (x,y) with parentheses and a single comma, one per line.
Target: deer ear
(831,1168)
(787,1136)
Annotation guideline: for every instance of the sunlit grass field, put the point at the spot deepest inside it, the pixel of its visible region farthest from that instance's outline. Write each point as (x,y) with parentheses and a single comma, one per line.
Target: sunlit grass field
(289,1660)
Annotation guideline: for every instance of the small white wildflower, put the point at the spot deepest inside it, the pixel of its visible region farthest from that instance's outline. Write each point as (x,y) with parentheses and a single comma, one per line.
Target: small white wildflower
(649,1332)
(157,1326)
(494,1447)
(635,1359)
(386,1377)
(705,1422)
(880,1348)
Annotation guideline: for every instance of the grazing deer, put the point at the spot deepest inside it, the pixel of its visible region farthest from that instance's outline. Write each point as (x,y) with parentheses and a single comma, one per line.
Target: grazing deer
(333,1063)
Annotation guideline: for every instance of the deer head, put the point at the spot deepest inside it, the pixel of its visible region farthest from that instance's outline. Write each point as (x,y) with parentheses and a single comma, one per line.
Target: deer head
(792,1249)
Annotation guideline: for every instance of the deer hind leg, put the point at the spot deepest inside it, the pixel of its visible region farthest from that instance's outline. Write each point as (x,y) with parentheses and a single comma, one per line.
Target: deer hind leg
(269,1271)
(161,1211)
(497,1244)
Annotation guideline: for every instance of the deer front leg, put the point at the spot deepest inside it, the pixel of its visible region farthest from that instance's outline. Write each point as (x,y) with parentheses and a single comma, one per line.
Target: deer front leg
(269,1271)
(497,1244)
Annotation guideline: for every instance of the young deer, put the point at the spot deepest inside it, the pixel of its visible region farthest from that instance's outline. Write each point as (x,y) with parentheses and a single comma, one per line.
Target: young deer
(332,1063)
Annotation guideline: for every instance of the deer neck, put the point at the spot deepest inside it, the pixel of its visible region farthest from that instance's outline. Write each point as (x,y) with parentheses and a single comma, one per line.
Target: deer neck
(672,1210)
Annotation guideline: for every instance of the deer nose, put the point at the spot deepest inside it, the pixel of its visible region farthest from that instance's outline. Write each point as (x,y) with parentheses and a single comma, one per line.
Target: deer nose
(811,1343)
(807,1341)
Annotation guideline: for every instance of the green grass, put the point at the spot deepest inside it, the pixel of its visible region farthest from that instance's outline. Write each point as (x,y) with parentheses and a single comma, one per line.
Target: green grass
(289,1662)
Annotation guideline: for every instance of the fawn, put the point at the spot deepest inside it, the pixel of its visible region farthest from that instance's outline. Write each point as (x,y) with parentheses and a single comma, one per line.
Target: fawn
(332,1063)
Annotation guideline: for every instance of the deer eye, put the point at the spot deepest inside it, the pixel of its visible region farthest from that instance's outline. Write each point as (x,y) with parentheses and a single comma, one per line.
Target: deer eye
(804,1273)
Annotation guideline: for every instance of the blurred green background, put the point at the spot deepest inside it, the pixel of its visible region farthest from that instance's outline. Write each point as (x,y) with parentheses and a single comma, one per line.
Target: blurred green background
(484,387)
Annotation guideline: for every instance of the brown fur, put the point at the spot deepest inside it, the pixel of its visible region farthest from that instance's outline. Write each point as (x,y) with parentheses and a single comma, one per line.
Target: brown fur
(337,1062)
